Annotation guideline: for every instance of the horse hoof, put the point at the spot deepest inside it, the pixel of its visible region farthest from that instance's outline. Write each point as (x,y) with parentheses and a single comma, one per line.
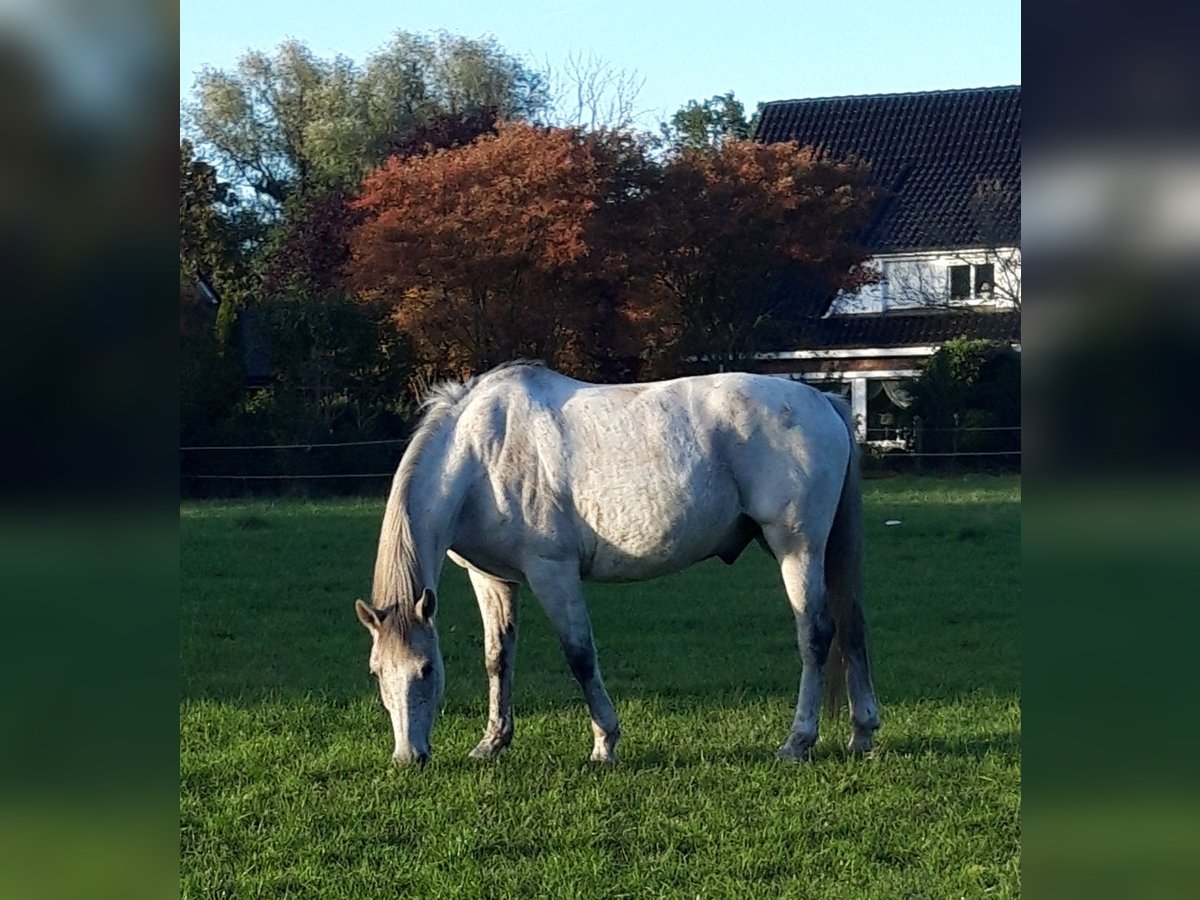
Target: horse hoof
(608,757)
(798,750)
(486,750)
(860,744)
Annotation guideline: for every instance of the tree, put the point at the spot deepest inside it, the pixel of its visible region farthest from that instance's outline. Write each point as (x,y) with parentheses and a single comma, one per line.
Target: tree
(212,233)
(444,131)
(992,205)
(309,249)
(708,124)
(516,245)
(338,365)
(211,259)
(291,122)
(973,385)
(744,233)
(590,93)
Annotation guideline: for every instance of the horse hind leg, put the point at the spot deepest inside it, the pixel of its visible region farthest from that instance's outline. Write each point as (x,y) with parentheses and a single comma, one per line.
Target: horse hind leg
(498,609)
(560,594)
(802,567)
(844,579)
(864,708)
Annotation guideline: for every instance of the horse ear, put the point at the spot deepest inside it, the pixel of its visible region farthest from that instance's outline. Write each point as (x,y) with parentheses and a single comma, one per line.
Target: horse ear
(371,617)
(426,607)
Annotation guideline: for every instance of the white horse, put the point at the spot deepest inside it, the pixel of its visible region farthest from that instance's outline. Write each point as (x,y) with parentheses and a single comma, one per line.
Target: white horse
(525,476)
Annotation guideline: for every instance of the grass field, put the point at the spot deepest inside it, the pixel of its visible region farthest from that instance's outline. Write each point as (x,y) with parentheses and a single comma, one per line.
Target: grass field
(287,786)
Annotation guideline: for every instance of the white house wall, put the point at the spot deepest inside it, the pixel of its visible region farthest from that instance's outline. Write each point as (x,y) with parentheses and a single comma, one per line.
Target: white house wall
(914,280)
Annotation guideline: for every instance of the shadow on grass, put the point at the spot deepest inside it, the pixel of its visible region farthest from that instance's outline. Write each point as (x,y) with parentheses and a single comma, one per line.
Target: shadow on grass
(830,750)
(227,673)
(976,747)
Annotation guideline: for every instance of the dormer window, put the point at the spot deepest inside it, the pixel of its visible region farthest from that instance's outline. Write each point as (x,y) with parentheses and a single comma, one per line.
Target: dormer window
(985,280)
(960,282)
(967,282)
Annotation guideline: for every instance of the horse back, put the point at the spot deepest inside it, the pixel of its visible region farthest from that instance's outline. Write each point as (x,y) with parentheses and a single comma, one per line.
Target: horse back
(645,479)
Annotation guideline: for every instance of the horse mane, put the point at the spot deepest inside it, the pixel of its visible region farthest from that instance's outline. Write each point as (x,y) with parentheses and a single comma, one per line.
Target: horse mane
(397,577)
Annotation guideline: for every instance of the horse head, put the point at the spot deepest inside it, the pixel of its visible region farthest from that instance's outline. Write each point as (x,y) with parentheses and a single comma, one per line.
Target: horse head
(407,663)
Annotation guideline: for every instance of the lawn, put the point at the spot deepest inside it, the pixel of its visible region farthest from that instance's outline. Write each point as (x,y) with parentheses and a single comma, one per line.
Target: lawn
(287,786)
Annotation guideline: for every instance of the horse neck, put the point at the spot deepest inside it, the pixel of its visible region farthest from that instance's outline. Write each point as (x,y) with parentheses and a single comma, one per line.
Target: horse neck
(418,524)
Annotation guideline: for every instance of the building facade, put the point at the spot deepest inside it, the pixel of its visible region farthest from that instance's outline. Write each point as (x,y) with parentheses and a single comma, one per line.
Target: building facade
(945,238)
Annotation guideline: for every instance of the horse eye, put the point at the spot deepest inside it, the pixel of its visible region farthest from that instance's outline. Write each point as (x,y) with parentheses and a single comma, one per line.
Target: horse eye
(426,670)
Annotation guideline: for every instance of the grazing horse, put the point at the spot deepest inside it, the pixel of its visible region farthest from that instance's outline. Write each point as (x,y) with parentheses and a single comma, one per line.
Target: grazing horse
(524,476)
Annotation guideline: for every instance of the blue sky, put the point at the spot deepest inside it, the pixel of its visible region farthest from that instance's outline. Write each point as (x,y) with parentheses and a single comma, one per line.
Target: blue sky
(759,50)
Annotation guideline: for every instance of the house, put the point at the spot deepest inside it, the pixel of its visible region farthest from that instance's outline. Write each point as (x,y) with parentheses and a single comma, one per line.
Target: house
(945,239)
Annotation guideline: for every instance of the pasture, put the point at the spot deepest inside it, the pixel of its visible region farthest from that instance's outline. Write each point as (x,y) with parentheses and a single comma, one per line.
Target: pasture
(287,787)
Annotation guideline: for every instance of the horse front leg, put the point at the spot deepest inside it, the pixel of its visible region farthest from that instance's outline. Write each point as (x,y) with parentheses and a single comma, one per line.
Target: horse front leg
(560,593)
(498,609)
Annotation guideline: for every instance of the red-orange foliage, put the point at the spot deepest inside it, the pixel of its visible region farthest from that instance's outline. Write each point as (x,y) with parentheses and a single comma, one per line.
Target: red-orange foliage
(577,249)
(507,247)
(752,239)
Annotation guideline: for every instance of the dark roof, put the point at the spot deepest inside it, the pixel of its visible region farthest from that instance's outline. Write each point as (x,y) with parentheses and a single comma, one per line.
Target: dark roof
(907,329)
(949,161)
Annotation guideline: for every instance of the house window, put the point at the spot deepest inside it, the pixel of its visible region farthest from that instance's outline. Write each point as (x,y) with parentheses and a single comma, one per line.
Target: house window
(972,281)
(960,282)
(985,281)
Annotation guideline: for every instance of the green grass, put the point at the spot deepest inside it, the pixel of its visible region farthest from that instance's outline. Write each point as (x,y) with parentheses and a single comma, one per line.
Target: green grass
(287,786)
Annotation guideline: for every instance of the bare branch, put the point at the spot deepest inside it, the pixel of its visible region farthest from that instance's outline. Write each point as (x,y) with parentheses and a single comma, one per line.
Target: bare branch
(590,93)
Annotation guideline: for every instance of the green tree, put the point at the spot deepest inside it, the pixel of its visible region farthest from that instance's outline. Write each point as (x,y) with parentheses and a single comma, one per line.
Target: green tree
(339,366)
(209,245)
(969,397)
(708,124)
(291,122)
(212,266)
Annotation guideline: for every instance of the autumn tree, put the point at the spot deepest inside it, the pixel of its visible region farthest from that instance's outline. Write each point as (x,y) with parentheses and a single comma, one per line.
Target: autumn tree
(751,238)
(309,247)
(515,245)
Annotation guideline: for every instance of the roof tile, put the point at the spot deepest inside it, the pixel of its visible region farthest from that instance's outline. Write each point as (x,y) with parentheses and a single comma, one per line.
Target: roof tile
(949,161)
(911,328)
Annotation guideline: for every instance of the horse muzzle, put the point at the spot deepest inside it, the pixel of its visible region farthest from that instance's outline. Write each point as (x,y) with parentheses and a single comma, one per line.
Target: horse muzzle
(411,757)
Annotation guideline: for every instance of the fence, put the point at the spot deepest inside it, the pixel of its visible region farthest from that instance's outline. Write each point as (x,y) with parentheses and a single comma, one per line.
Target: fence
(918,448)
(304,468)
(366,467)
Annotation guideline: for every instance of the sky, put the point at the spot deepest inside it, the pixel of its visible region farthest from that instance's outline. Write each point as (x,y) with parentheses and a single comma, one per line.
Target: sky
(760,49)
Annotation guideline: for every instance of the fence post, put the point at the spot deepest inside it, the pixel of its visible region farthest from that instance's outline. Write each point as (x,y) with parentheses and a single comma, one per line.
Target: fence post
(918,442)
(954,445)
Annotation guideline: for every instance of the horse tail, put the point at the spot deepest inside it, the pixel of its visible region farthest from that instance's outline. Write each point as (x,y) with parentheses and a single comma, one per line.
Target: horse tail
(844,573)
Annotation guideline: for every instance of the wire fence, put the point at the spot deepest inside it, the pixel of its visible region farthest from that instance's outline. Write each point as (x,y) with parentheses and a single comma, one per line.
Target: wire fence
(305,446)
(919,448)
(290,466)
(297,476)
(337,467)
